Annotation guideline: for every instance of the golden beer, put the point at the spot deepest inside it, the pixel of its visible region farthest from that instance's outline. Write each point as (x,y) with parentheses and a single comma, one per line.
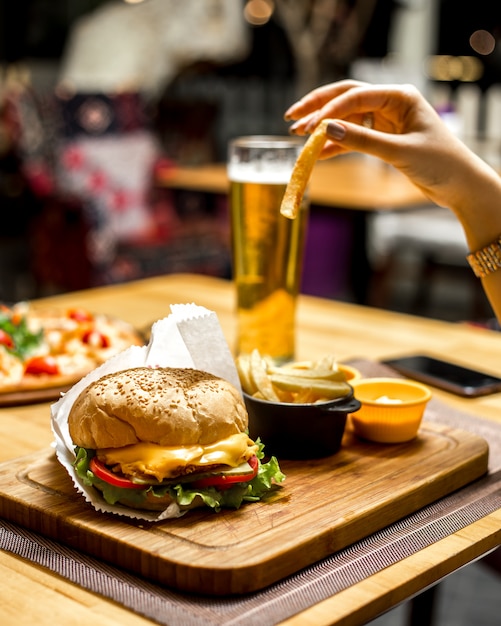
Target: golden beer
(267,254)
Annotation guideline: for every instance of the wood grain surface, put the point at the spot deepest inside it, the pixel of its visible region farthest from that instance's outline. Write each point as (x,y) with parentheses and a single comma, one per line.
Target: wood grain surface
(324,505)
(353,181)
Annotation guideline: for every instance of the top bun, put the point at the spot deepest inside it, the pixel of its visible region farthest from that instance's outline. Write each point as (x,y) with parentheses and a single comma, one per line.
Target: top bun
(166,406)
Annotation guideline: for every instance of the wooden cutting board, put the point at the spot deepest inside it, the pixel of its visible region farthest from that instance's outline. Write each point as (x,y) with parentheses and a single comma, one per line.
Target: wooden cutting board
(323,506)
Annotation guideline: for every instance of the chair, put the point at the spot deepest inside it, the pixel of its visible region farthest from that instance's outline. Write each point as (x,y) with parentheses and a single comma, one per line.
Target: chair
(423,245)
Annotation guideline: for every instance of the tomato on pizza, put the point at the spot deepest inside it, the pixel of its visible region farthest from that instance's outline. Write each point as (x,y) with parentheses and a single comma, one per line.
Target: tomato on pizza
(42,347)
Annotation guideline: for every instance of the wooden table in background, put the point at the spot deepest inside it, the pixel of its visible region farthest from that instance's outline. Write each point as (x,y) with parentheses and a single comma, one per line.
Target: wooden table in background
(32,595)
(343,191)
(352,182)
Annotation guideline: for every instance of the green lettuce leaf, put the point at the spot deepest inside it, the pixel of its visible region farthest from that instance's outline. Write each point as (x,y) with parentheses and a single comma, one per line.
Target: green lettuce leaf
(269,475)
(24,340)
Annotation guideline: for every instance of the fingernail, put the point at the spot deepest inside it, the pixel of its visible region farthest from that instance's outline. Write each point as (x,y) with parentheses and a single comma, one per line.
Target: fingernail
(290,111)
(336,131)
(293,128)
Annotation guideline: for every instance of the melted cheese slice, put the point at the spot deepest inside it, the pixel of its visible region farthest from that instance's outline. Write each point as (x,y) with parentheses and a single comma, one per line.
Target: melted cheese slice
(150,459)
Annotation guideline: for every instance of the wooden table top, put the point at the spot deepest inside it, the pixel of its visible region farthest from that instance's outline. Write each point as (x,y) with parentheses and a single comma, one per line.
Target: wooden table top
(353,182)
(34,595)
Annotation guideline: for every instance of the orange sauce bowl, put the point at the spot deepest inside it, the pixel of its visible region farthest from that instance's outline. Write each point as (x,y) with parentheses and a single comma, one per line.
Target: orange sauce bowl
(351,373)
(391,409)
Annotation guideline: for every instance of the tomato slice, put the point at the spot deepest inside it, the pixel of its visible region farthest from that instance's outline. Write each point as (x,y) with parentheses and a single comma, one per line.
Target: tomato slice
(42,365)
(96,339)
(222,481)
(100,470)
(80,315)
(5,339)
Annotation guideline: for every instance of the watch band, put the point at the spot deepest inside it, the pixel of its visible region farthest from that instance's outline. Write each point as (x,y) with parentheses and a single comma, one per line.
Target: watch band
(486,260)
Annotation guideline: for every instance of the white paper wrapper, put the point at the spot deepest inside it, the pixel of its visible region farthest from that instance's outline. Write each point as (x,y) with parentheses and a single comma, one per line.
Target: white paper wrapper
(189,337)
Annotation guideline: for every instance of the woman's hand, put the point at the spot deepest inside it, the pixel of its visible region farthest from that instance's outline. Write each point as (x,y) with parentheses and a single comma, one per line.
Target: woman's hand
(394,123)
(398,125)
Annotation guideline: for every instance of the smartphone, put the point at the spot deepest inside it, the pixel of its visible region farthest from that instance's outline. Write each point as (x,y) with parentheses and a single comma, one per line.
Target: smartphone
(451,377)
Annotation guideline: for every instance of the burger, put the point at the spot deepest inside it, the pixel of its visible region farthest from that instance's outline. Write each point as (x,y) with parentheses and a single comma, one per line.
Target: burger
(153,438)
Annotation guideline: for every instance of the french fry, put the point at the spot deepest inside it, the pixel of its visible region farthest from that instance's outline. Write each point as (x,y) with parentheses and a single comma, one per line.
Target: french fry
(243,369)
(327,362)
(285,395)
(301,172)
(325,373)
(301,365)
(306,396)
(329,389)
(304,382)
(259,376)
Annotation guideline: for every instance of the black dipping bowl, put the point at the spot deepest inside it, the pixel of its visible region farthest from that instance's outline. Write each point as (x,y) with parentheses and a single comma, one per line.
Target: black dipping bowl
(299,431)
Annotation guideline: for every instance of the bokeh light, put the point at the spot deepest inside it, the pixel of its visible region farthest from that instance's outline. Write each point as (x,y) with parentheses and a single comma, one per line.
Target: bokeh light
(445,67)
(482,42)
(258,12)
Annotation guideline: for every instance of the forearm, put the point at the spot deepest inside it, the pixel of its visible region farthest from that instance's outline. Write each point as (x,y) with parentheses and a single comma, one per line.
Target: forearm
(480,215)
(476,201)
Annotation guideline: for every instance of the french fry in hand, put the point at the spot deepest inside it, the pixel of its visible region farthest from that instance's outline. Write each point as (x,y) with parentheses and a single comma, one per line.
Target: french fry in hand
(301,172)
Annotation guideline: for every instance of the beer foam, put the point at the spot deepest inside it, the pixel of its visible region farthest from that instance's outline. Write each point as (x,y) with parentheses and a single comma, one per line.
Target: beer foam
(264,173)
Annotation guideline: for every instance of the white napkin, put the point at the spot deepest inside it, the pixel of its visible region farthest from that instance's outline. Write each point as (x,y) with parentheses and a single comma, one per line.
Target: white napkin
(189,337)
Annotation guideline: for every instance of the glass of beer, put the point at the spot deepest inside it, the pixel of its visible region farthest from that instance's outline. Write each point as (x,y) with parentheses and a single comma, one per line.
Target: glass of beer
(267,248)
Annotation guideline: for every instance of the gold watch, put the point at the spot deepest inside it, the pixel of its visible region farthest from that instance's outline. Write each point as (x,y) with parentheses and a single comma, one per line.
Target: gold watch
(486,260)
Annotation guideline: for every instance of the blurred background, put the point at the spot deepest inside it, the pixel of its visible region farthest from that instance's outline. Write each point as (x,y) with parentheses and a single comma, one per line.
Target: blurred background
(98,97)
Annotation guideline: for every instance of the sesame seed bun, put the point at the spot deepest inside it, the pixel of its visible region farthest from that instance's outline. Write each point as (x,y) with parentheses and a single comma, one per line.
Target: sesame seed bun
(166,406)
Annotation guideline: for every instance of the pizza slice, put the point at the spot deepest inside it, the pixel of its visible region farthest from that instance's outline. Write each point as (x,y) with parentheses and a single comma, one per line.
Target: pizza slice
(45,348)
